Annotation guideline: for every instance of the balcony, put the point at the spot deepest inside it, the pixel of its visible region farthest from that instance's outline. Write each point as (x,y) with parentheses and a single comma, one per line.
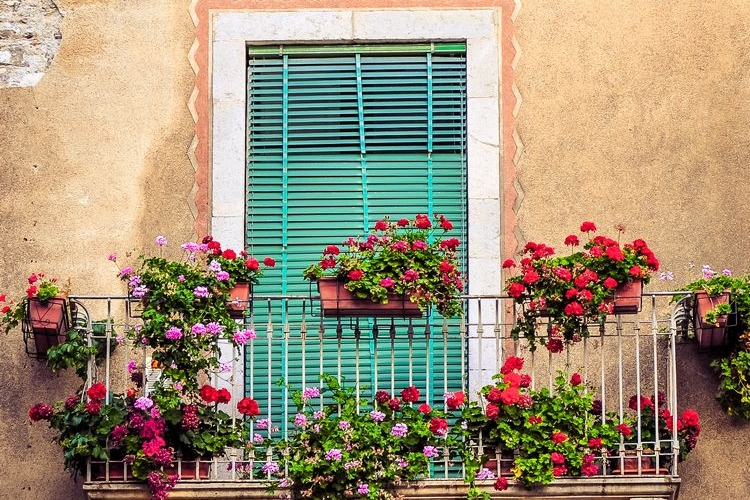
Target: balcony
(626,356)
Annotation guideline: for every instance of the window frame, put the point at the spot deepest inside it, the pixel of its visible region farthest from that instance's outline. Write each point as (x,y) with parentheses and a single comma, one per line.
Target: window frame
(232,31)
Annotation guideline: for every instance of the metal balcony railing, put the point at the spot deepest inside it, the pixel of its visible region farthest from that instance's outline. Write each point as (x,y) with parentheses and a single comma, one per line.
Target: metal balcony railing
(623,357)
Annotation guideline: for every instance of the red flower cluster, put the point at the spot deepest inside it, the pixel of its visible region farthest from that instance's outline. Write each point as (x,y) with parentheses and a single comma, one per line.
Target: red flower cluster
(249,407)
(41,411)
(575,289)
(410,394)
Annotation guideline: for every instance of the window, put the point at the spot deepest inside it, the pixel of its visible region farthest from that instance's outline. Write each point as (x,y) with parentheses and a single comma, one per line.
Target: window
(231,31)
(338,137)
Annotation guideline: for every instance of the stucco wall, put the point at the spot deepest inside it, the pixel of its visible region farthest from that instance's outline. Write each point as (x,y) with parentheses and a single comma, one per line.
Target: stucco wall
(93,160)
(632,113)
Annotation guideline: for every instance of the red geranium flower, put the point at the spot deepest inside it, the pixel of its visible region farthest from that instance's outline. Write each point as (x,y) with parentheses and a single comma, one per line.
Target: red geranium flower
(439,426)
(209,394)
(588,226)
(559,437)
(223,396)
(97,391)
(249,407)
(410,394)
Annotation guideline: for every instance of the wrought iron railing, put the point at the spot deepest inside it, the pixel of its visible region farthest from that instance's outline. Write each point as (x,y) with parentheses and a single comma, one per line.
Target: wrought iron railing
(622,357)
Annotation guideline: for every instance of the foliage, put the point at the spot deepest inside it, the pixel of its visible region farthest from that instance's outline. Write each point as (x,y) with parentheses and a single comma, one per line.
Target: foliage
(551,432)
(656,424)
(715,284)
(83,425)
(577,289)
(353,448)
(734,380)
(404,257)
(75,352)
(185,305)
(170,422)
(185,314)
(40,287)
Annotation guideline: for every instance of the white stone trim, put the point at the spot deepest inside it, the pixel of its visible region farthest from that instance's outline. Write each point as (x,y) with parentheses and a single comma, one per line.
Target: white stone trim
(231,31)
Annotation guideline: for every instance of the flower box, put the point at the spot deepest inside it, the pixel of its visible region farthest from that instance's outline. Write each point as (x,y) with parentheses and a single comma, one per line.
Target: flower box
(628,465)
(47,323)
(337,301)
(705,303)
(627,297)
(710,335)
(239,299)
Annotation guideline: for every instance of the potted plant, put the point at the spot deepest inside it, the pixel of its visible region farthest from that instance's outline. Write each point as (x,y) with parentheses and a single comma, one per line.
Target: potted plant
(185,305)
(45,314)
(140,436)
(652,430)
(243,270)
(403,259)
(550,433)
(579,288)
(716,298)
(349,447)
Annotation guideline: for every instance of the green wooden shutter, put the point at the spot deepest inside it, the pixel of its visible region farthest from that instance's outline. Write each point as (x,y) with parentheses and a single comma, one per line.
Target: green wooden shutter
(338,137)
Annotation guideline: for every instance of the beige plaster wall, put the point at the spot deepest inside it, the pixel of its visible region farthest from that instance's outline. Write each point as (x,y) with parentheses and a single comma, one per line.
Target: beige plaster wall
(93,160)
(637,113)
(633,112)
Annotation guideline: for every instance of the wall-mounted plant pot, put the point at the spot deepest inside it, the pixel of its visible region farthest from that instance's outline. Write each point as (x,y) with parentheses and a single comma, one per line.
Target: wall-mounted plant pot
(710,335)
(46,324)
(705,303)
(337,301)
(627,297)
(239,299)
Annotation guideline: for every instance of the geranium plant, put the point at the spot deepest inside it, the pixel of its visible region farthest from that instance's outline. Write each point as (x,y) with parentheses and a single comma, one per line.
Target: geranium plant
(715,284)
(575,289)
(41,287)
(404,257)
(548,433)
(350,448)
(657,423)
(146,432)
(185,305)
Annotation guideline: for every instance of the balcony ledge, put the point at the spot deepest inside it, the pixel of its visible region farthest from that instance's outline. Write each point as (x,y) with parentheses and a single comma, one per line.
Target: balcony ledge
(609,488)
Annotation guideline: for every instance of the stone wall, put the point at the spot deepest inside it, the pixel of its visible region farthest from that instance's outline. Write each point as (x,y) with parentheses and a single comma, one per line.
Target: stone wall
(29,40)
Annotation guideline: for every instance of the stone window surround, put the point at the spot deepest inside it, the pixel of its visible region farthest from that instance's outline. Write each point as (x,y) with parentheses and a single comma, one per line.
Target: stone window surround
(232,30)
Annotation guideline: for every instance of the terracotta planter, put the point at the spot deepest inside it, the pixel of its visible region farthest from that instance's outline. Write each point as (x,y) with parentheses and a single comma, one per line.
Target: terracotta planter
(506,464)
(336,301)
(187,470)
(47,323)
(239,299)
(628,465)
(710,334)
(116,471)
(627,297)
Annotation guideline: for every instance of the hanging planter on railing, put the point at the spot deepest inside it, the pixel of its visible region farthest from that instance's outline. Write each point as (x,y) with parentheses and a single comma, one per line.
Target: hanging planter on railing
(239,299)
(405,261)
(627,297)
(711,315)
(337,301)
(46,324)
